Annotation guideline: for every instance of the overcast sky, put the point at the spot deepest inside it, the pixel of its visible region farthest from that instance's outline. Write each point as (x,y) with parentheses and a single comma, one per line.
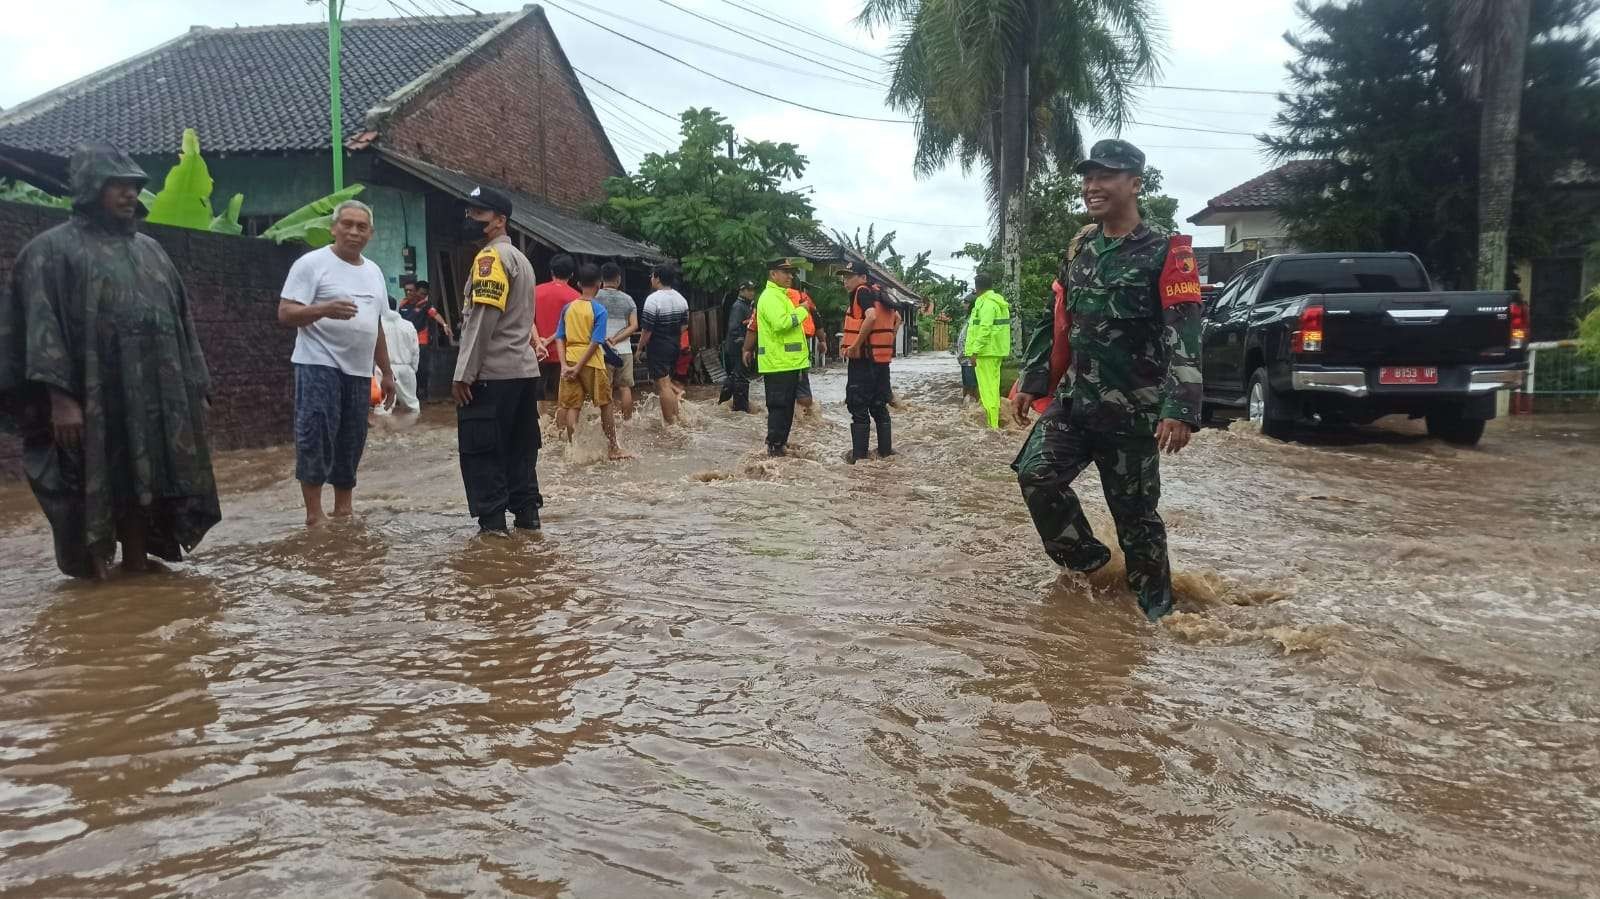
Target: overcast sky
(860,172)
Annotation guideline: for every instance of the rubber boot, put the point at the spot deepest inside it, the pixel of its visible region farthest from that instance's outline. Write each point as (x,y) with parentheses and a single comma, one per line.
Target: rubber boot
(885,442)
(858,439)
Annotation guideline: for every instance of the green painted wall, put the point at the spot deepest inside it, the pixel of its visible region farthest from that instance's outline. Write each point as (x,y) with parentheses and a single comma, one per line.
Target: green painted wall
(274,185)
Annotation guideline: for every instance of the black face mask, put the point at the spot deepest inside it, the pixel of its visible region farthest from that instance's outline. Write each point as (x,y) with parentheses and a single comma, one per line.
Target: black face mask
(472,229)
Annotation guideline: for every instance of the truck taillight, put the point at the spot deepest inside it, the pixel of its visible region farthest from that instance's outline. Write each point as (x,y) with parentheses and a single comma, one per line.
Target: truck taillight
(1519,326)
(1309,338)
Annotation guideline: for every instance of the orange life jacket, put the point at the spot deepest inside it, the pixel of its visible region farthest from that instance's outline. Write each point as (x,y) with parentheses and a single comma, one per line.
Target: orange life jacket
(881,339)
(1060,350)
(804,299)
(684,359)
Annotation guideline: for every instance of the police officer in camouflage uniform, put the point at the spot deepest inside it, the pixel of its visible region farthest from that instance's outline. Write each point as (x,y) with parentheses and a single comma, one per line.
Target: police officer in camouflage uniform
(1133,388)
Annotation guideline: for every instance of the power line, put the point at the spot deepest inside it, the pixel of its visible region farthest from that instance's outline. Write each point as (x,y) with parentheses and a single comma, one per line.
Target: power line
(716,77)
(801,28)
(807,106)
(875,218)
(634,122)
(1105,121)
(626,121)
(860,84)
(1251,113)
(1214,90)
(625,96)
(780,48)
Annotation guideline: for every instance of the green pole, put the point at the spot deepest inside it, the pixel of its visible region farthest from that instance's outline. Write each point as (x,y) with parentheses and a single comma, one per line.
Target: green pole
(335,105)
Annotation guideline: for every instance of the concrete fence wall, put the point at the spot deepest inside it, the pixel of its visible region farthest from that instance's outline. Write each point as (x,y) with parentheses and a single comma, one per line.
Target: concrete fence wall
(233,285)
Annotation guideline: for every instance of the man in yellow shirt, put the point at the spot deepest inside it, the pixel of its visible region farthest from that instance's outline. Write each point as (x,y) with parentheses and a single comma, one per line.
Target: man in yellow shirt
(579,337)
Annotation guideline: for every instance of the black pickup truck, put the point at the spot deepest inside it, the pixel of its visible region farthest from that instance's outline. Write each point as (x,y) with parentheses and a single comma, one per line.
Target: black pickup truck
(1351,337)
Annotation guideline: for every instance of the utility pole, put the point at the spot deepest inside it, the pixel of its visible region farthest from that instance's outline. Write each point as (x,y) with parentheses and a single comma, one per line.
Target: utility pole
(335,104)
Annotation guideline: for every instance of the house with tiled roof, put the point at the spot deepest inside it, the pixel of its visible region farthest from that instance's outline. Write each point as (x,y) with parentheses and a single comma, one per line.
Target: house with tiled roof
(431,107)
(1248,212)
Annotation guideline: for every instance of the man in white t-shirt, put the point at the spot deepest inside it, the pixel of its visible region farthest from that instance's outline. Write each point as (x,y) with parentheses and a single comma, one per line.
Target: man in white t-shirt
(666,314)
(335,297)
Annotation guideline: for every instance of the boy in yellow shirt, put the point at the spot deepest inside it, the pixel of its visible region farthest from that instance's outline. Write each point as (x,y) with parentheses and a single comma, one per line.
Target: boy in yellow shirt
(583,364)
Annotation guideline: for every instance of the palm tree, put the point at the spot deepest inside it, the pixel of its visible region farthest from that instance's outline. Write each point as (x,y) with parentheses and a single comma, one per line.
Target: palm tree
(1002,84)
(871,247)
(1490,42)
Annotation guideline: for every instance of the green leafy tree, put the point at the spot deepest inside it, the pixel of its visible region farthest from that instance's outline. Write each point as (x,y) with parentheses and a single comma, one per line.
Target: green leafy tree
(1383,104)
(1001,84)
(720,214)
(1055,214)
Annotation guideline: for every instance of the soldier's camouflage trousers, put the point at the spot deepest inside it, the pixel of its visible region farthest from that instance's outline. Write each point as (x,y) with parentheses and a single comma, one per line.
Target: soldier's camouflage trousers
(1055,453)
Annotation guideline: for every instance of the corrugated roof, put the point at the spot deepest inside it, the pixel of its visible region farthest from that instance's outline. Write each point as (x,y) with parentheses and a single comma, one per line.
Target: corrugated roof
(244,90)
(543,221)
(1266,191)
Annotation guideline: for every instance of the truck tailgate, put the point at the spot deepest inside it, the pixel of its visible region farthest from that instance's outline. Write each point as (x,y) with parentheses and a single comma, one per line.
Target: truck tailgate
(1436,328)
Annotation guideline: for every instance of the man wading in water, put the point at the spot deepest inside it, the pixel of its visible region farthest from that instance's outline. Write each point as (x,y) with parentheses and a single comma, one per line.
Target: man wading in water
(1134,389)
(101,366)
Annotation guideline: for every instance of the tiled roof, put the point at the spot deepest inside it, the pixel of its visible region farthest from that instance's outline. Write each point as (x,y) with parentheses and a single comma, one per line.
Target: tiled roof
(818,248)
(1268,191)
(243,89)
(559,230)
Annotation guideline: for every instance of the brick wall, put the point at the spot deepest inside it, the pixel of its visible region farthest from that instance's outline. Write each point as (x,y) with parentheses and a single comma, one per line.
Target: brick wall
(511,114)
(233,285)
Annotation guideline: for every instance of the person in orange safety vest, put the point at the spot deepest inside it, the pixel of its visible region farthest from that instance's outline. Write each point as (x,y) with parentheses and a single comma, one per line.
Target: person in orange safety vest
(870,323)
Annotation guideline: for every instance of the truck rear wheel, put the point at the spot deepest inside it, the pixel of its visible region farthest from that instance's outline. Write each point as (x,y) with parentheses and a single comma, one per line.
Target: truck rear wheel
(1452,428)
(1266,407)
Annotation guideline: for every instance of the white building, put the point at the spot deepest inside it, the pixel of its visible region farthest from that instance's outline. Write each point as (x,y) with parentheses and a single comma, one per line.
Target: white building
(1248,213)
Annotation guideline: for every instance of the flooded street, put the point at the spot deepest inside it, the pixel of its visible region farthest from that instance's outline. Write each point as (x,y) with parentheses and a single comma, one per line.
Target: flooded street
(1385,680)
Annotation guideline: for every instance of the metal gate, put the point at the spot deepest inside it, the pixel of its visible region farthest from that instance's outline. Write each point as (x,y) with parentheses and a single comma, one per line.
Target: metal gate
(1560,375)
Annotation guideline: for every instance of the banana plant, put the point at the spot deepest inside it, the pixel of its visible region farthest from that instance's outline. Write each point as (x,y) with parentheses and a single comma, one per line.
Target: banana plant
(312,223)
(23,192)
(184,200)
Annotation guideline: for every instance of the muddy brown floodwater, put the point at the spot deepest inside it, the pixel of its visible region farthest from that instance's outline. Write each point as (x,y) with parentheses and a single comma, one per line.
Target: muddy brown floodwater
(1385,682)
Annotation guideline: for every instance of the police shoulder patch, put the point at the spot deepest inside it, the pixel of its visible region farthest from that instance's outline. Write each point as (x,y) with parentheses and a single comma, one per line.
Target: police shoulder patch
(1180,277)
(490,286)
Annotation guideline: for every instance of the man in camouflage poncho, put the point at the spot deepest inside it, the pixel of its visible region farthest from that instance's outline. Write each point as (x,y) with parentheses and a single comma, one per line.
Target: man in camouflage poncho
(101,369)
(1133,386)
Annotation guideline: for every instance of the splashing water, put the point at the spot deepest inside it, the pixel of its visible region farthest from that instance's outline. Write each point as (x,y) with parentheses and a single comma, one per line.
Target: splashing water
(716,673)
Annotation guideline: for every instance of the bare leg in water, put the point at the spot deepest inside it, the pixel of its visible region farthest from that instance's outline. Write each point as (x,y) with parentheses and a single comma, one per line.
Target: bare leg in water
(313,497)
(669,399)
(132,531)
(609,425)
(343,502)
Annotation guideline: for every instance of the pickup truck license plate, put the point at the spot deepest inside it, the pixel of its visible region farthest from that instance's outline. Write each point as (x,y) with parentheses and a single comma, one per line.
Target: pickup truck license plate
(1408,375)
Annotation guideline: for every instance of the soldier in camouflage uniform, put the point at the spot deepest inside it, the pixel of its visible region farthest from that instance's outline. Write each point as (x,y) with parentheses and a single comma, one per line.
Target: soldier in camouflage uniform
(1133,386)
(101,369)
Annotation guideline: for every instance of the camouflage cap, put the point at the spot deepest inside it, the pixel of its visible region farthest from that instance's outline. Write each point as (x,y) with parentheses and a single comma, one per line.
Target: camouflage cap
(1118,155)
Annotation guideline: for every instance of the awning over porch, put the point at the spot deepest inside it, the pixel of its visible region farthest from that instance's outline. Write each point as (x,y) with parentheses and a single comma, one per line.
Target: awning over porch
(546,224)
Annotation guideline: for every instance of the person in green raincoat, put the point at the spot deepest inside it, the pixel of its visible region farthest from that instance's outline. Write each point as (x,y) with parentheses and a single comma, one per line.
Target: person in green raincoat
(101,373)
(988,343)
